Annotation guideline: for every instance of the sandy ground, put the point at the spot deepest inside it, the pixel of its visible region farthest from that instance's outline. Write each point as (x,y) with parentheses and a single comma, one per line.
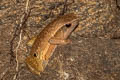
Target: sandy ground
(87,58)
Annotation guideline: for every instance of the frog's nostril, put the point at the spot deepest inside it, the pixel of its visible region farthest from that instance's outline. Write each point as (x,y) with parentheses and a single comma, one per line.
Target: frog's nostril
(35,55)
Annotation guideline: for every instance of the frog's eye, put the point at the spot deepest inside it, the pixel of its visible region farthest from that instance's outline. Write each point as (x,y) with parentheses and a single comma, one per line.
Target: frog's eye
(35,54)
(68,25)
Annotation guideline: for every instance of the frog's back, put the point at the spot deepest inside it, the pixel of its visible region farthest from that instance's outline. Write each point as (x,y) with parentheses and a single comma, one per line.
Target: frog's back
(51,29)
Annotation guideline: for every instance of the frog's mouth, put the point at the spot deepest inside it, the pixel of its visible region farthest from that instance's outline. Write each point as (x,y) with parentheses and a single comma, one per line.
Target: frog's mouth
(33,70)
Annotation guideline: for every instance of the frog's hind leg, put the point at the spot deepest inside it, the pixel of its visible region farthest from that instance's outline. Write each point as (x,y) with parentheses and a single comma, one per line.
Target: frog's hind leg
(31,41)
(59,41)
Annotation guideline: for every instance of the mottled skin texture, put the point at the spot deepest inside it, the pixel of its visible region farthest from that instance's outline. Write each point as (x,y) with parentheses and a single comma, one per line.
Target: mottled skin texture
(42,49)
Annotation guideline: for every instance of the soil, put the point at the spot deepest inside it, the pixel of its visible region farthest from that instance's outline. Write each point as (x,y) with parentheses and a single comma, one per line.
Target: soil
(92,55)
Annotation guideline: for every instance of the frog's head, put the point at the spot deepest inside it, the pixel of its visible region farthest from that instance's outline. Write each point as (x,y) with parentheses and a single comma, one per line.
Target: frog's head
(36,63)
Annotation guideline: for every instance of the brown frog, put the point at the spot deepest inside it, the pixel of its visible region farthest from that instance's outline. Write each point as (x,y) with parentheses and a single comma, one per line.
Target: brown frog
(55,33)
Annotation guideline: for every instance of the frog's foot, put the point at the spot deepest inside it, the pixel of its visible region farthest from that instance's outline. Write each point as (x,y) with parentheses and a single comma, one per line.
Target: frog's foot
(58,41)
(31,41)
